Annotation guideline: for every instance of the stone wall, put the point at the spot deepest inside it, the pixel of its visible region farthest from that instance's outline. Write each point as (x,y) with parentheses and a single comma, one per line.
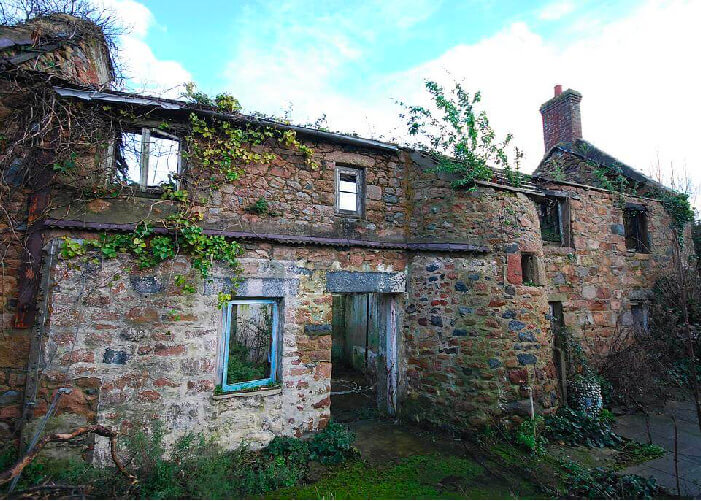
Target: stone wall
(301,197)
(597,278)
(134,348)
(475,336)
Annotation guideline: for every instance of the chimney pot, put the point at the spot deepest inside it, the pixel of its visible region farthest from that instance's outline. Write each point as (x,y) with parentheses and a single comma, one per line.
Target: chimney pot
(558,90)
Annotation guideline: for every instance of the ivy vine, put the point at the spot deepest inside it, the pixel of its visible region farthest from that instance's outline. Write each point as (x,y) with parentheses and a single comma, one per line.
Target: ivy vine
(217,152)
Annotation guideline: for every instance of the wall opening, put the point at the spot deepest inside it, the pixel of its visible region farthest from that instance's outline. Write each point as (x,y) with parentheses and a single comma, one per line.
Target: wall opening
(557,327)
(250,344)
(529,269)
(363,356)
(635,226)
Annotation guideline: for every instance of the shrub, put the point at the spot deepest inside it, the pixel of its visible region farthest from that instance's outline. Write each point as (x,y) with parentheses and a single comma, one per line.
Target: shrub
(601,483)
(333,445)
(578,428)
(529,435)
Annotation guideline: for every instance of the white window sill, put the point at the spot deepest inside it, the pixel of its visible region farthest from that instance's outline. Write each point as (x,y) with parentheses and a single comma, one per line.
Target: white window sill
(253,393)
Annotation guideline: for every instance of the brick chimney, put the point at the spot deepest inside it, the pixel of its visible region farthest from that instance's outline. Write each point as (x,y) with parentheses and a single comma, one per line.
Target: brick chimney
(562,121)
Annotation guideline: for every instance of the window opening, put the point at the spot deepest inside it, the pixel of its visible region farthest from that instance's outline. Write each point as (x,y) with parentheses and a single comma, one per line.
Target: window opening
(349,190)
(149,158)
(639,312)
(635,225)
(550,229)
(250,344)
(529,270)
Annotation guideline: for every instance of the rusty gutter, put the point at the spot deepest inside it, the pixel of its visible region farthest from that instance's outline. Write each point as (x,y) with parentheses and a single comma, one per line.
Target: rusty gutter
(285,239)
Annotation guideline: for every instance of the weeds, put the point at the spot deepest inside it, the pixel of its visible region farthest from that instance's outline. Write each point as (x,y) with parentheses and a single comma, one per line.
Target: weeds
(197,468)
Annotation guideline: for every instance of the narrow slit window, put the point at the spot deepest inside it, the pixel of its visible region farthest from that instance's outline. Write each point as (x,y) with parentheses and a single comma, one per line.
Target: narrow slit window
(250,344)
(635,226)
(148,158)
(349,190)
(529,269)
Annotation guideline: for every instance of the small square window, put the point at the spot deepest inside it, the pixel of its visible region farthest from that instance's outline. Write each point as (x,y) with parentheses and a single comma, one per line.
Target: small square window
(529,269)
(635,226)
(349,190)
(250,344)
(148,158)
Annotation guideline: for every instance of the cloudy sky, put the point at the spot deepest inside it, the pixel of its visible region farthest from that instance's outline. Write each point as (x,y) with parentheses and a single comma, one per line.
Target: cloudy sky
(635,62)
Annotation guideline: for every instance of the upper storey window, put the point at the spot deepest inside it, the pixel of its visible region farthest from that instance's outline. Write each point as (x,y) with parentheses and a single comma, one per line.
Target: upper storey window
(149,157)
(554,221)
(349,191)
(635,225)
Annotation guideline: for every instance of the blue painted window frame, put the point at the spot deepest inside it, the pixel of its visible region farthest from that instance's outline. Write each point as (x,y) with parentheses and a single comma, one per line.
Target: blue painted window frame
(245,385)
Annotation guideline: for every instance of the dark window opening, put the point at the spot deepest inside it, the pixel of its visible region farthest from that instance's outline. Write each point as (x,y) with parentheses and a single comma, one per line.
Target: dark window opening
(550,229)
(554,221)
(639,313)
(635,225)
(529,269)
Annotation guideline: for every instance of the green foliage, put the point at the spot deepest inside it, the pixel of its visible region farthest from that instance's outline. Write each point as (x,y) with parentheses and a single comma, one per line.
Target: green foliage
(187,287)
(578,428)
(681,370)
(601,483)
(635,452)
(222,299)
(260,207)
(227,103)
(333,445)
(460,137)
(529,435)
(149,250)
(415,477)
(224,102)
(67,165)
(240,367)
(679,208)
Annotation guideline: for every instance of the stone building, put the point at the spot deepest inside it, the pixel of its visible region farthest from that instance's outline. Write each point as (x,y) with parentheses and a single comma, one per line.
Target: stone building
(362,260)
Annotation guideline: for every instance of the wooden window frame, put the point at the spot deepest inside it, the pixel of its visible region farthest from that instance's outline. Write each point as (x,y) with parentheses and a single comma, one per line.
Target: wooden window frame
(359,174)
(635,229)
(144,161)
(274,347)
(563,220)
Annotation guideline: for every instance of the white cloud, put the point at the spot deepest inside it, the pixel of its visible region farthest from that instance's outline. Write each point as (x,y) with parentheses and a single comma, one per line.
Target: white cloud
(555,11)
(146,73)
(635,75)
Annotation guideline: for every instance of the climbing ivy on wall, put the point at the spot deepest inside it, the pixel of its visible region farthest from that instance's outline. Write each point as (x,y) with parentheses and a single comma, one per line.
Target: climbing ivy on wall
(217,151)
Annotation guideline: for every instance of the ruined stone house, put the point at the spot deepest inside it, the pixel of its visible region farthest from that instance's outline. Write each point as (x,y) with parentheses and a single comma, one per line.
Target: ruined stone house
(363,260)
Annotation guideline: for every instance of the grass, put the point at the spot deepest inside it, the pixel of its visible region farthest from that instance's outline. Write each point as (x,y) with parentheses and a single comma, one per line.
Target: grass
(416,477)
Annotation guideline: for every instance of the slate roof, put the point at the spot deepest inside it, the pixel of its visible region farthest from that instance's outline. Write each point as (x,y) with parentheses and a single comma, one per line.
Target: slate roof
(580,154)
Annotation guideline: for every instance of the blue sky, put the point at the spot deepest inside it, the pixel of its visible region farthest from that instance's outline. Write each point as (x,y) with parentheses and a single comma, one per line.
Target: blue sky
(352,60)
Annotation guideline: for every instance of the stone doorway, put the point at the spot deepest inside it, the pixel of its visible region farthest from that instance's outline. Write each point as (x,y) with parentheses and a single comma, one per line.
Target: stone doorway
(363,356)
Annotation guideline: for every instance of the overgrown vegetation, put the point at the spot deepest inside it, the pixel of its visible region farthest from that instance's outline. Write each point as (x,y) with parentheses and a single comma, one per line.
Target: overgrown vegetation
(460,138)
(602,483)
(197,467)
(572,427)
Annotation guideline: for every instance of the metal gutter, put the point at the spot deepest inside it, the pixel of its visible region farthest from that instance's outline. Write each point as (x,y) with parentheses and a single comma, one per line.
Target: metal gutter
(286,239)
(172,105)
